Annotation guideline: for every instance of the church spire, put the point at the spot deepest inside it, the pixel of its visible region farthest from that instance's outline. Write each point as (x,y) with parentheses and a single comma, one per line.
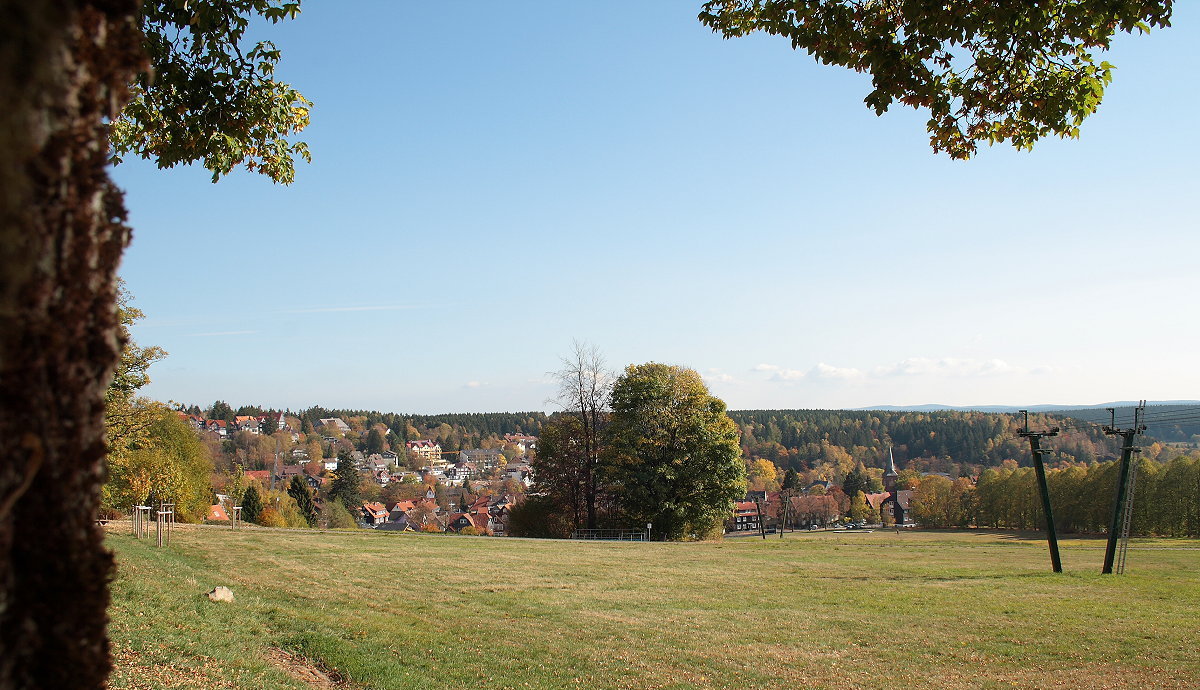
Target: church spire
(890,475)
(891,468)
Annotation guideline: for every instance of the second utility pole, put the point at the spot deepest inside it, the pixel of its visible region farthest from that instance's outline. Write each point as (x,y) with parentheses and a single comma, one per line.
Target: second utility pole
(1127,451)
(1036,448)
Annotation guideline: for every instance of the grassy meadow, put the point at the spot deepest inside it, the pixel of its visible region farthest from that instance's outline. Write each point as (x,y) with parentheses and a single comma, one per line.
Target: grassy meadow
(824,610)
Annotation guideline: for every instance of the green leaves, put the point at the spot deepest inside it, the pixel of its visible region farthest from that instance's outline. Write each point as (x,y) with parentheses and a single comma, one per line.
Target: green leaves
(987,72)
(210,99)
(673,454)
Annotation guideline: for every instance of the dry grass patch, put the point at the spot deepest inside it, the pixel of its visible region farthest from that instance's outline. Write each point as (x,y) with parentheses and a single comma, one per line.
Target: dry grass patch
(952,610)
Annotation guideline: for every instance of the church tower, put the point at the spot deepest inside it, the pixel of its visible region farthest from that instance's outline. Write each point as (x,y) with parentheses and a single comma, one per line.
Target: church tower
(890,475)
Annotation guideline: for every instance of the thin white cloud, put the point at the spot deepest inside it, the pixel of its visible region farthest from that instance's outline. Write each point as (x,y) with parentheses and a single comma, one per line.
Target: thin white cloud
(473,384)
(947,367)
(826,371)
(219,333)
(330,310)
(778,373)
(718,376)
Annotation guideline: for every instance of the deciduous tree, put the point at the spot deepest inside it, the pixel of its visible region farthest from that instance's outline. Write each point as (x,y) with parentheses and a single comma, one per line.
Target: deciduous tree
(672,452)
(986,71)
(560,469)
(584,385)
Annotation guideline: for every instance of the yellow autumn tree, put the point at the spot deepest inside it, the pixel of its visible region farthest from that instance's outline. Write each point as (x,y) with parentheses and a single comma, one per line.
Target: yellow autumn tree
(763,476)
(166,464)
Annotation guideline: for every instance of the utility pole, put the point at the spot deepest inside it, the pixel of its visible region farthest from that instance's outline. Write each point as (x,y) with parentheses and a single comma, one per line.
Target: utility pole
(785,502)
(762,518)
(275,468)
(1035,447)
(1127,451)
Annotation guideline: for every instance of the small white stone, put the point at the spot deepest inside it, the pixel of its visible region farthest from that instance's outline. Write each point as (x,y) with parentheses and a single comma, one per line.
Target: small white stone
(221,594)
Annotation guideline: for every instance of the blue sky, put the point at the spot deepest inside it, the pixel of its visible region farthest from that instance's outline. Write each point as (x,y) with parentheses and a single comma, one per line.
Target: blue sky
(491,182)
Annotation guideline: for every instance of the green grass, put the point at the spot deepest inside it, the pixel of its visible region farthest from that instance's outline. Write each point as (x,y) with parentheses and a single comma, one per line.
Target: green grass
(881,610)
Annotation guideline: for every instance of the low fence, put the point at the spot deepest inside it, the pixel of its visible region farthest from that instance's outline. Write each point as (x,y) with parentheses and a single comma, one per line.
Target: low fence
(612,534)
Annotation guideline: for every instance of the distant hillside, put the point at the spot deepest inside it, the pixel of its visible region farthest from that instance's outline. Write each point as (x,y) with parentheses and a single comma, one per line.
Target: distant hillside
(943,440)
(1175,421)
(1012,409)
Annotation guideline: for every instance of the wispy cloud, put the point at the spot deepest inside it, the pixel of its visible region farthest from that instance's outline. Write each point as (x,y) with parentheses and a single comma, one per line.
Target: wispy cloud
(778,373)
(947,367)
(330,310)
(473,384)
(715,375)
(827,371)
(219,333)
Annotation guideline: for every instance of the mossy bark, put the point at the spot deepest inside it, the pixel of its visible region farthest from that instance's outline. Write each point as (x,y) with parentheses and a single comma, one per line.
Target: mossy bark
(64,69)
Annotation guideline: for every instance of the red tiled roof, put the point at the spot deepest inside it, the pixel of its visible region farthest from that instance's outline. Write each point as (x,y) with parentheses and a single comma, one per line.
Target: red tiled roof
(375,509)
(216,512)
(260,475)
(876,500)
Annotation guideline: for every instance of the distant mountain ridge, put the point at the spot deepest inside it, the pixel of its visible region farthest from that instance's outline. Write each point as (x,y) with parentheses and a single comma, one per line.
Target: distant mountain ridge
(1012,409)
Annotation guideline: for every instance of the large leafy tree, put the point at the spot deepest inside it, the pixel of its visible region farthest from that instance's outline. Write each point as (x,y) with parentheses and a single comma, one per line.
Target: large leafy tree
(986,71)
(672,452)
(66,71)
(169,463)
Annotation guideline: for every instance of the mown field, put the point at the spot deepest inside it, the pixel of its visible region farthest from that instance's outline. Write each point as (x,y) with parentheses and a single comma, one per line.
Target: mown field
(880,610)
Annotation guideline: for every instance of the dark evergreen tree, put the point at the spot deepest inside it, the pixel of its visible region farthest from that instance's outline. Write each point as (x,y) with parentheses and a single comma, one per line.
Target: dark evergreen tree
(221,410)
(374,441)
(345,483)
(251,504)
(299,490)
(269,426)
(791,480)
(854,482)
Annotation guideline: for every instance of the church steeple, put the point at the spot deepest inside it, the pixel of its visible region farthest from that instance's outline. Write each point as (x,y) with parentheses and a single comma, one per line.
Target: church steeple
(890,474)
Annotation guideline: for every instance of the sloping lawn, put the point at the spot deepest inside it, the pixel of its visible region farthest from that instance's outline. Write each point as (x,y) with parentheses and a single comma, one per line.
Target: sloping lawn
(880,610)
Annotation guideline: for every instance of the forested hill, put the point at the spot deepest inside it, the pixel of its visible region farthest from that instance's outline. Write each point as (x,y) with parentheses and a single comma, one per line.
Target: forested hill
(1171,423)
(941,441)
(950,441)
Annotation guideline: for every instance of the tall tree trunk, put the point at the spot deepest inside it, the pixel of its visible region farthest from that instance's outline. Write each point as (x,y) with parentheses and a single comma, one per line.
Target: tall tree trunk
(64,68)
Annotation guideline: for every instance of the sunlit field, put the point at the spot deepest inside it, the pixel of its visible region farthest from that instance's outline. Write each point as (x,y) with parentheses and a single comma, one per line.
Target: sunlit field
(879,610)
